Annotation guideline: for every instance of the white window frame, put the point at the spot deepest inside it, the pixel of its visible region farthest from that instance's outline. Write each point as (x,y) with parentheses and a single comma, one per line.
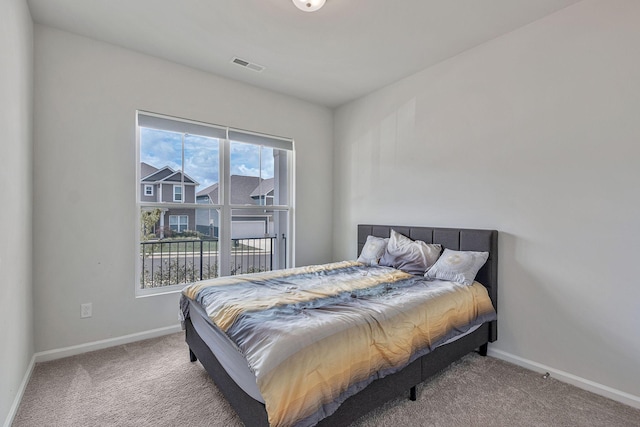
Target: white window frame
(181,192)
(224,206)
(179,224)
(148,187)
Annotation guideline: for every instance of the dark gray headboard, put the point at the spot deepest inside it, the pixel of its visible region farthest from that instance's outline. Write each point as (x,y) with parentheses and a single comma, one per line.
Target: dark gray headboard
(459,239)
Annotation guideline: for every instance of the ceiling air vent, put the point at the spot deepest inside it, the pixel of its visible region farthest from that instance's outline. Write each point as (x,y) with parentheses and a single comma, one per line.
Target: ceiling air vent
(247,64)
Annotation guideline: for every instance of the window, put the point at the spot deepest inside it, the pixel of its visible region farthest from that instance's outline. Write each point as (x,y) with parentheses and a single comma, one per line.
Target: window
(177,193)
(179,223)
(223,202)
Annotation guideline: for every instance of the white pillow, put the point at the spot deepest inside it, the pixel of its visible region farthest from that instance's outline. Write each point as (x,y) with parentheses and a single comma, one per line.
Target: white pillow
(457,266)
(414,257)
(373,250)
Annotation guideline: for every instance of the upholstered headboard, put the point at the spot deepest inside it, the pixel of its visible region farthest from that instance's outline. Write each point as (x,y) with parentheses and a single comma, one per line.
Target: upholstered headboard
(459,239)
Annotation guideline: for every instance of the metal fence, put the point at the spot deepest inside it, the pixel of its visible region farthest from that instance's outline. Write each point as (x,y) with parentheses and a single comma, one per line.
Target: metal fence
(171,262)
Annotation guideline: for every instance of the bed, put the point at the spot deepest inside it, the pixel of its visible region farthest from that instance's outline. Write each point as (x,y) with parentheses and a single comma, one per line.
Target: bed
(247,402)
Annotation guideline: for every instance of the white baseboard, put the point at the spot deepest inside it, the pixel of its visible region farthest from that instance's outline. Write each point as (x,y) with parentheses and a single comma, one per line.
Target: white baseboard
(45,356)
(594,387)
(23,385)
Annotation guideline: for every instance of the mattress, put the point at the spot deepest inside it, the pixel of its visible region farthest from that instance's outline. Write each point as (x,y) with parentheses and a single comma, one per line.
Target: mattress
(225,351)
(313,336)
(232,359)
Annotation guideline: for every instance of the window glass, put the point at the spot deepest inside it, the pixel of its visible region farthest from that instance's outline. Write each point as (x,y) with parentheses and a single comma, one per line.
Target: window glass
(202,167)
(258,240)
(177,193)
(179,223)
(181,256)
(160,158)
(182,180)
(245,173)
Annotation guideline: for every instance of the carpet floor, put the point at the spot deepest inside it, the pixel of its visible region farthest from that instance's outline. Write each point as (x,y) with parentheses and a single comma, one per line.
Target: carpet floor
(152,383)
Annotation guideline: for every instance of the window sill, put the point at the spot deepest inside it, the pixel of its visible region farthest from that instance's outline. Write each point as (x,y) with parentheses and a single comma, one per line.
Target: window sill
(173,289)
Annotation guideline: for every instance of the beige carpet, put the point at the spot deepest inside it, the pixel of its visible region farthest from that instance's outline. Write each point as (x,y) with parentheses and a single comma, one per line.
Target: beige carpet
(152,383)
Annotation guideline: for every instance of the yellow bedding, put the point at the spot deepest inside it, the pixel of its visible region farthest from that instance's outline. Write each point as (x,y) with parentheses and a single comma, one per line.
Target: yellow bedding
(316,335)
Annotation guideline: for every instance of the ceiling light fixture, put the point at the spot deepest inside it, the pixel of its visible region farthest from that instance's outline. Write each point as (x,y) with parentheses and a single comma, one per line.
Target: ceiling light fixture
(309,5)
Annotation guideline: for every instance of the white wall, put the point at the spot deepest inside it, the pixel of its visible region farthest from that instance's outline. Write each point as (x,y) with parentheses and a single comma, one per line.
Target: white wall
(87,93)
(16,146)
(535,134)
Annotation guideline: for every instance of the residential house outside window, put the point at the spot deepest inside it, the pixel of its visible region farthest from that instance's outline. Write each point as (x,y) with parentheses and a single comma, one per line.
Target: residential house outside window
(213,201)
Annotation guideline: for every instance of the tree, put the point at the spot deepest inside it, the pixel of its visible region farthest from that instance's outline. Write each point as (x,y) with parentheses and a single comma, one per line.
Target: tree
(148,220)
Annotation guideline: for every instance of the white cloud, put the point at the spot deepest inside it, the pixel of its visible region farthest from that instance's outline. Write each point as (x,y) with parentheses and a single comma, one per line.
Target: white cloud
(160,148)
(244,170)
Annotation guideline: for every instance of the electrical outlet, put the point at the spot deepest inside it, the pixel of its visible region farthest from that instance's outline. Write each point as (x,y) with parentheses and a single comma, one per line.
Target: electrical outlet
(86,310)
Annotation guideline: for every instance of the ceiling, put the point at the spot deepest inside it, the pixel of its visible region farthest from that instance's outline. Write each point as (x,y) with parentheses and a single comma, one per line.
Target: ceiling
(343,51)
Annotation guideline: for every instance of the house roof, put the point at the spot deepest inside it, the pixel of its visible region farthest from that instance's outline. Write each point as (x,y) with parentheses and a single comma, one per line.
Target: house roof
(177,177)
(265,189)
(243,189)
(146,169)
(158,176)
(210,191)
(165,174)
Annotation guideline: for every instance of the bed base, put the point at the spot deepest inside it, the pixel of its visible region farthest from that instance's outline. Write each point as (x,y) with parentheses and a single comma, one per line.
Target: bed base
(253,413)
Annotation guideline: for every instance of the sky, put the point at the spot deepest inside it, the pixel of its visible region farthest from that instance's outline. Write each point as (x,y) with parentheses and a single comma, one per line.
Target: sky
(201,156)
